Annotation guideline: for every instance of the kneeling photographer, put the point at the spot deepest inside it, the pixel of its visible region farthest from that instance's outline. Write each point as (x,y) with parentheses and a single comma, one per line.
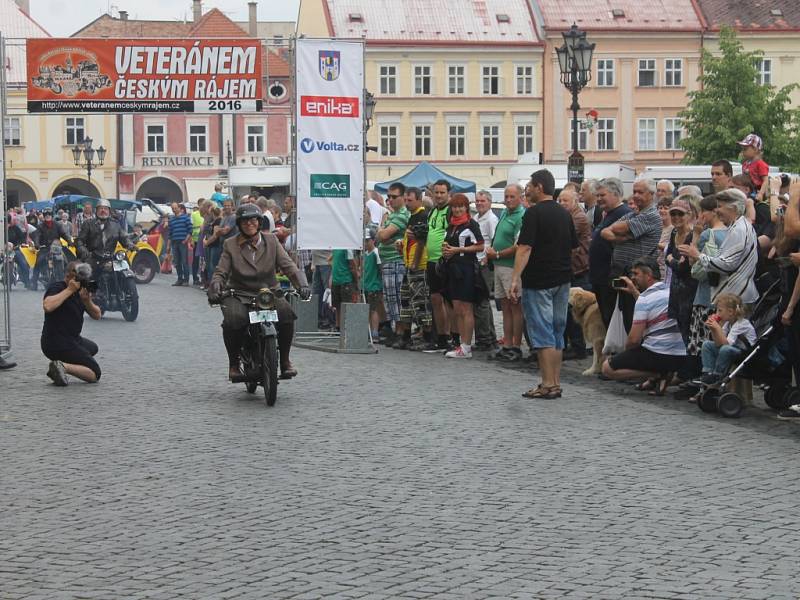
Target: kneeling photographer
(64,304)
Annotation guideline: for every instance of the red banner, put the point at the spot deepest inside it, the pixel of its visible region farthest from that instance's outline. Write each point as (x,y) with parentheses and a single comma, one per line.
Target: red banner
(124,75)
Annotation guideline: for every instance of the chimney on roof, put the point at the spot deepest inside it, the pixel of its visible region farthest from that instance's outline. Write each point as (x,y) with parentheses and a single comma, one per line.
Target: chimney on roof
(123,15)
(197,10)
(24,5)
(252,21)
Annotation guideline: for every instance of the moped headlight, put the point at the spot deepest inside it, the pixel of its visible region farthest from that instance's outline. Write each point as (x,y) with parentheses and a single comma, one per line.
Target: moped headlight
(265,299)
(120,256)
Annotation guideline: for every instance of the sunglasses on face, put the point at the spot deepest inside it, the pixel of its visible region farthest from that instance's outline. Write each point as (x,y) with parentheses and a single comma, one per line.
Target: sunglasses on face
(393,196)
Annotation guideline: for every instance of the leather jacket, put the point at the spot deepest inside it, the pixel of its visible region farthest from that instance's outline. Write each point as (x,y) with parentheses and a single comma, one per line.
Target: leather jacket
(48,235)
(89,242)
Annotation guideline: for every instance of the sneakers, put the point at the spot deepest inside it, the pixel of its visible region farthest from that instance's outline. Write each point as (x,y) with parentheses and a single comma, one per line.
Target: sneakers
(460,352)
(790,414)
(57,373)
(401,344)
(508,354)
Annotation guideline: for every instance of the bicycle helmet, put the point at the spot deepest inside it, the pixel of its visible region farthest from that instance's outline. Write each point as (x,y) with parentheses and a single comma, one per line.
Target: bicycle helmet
(247,211)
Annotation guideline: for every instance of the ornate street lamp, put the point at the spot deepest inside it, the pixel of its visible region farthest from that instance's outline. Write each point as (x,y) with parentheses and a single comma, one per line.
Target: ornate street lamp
(575,63)
(89,156)
(369,112)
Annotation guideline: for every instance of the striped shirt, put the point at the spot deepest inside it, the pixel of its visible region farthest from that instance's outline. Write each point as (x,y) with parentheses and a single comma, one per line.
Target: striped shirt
(180,227)
(736,262)
(661,333)
(645,234)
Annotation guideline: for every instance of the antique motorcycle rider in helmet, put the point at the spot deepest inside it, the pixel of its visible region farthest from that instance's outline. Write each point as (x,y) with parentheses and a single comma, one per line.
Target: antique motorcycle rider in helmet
(249,263)
(99,236)
(49,232)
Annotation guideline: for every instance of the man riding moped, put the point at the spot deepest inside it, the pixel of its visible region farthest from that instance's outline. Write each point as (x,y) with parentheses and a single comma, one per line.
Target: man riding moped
(249,263)
(98,237)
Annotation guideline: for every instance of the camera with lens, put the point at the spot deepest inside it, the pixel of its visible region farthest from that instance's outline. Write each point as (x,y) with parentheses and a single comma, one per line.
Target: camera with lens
(83,273)
(420,231)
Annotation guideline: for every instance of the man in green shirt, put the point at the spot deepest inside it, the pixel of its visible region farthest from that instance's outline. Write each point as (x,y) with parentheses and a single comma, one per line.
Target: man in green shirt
(438,221)
(393,269)
(501,254)
(197,216)
(344,280)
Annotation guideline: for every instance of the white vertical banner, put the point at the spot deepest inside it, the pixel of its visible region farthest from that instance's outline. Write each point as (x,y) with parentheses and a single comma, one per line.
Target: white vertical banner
(329,80)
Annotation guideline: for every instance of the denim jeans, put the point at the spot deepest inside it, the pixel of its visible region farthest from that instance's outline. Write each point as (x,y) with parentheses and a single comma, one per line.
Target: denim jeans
(180,258)
(322,273)
(718,359)
(546,315)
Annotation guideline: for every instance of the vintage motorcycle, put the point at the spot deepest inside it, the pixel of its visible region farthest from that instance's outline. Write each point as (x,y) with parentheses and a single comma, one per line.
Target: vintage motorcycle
(9,276)
(259,352)
(116,286)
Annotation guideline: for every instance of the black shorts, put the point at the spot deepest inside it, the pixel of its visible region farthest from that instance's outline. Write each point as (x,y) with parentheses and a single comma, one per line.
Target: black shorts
(641,359)
(436,283)
(78,353)
(461,281)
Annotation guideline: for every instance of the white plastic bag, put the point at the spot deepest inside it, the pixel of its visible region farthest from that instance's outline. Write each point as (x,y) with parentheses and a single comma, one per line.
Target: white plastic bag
(327,297)
(616,336)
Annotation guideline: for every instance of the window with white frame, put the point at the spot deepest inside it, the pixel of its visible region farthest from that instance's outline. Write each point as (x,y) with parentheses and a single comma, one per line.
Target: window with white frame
(605,72)
(524,76)
(764,71)
(455,79)
(76,130)
(388,140)
(673,72)
(457,139)
(255,138)
(673,132)
(524,137)
(423,135)
(12,131)
(156,136)
(198,138)
(647,134)
(387,74)
(647,72)
(490,80)
(423,80)
(490,139)
(605,134)
(583,135)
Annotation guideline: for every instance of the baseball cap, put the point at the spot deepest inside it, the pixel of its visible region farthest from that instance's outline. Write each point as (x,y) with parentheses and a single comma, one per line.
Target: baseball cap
(681,206)
(752,140)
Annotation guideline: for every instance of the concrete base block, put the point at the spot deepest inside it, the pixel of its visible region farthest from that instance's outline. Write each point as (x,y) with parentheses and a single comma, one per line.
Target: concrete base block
(306,313)
(354,327)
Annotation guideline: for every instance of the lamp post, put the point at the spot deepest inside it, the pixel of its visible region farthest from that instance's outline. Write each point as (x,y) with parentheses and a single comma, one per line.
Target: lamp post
(369,112)
(575,63)
(89,156)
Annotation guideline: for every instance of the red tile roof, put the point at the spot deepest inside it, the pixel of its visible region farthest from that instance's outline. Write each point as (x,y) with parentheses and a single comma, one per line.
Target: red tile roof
(428,21)
(274,64)
(637,15)
(213,24)
(752,14)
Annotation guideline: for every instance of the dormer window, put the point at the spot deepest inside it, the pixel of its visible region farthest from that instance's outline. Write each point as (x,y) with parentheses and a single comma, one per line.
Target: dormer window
(355,17)
(618,13)
(776,12)
(503,18)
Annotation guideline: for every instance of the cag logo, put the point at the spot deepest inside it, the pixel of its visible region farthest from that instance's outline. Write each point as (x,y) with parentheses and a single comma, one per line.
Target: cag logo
(330,186)
(308,146)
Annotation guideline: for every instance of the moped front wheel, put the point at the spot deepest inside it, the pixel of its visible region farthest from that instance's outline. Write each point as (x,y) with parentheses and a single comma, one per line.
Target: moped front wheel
(269,370)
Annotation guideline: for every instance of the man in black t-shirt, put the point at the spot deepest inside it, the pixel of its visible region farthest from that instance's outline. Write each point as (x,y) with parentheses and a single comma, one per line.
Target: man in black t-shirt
(64,304)
(542,274)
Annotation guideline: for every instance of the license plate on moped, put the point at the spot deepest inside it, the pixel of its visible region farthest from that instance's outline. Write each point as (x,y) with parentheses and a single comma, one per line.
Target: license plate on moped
(263,316)
(121,265)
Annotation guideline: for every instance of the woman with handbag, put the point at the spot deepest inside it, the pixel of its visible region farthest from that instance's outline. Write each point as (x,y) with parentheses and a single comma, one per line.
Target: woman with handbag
(462,243)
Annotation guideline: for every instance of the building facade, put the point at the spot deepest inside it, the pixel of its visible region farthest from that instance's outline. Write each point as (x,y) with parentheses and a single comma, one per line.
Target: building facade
(457,84)
(646,61)
(38,148)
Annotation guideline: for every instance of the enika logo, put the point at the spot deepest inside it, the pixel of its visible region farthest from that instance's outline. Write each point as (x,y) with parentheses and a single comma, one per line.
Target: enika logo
(330,186)
(308,146)
(329,106)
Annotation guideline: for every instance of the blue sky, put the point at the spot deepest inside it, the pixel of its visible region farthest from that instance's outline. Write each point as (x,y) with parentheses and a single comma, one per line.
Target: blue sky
(62,18)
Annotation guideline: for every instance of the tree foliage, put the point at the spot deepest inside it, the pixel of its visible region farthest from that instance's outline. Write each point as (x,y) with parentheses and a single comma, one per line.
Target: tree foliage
(731,104)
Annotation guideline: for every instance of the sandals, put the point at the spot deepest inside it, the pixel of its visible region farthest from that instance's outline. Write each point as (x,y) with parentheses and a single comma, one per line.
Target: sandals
(543,392)
(648,384)
(662,384)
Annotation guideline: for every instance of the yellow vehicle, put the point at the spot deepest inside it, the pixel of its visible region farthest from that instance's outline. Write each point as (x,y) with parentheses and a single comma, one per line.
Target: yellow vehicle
(144,260)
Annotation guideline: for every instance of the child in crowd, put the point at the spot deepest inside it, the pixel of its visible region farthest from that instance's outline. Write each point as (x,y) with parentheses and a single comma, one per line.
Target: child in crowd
(730,332)
(373,283)
(752,163)
(344,281)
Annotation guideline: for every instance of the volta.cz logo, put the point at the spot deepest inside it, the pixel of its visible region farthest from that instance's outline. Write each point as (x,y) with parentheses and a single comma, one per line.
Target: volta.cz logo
(308,146)
(330,185)
(329,106)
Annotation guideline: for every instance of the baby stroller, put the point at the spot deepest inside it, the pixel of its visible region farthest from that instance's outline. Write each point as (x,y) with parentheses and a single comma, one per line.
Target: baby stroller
(762,363)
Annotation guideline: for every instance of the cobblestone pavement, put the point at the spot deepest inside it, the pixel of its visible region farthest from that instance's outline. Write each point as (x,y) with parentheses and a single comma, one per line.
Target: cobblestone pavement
(391,476)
